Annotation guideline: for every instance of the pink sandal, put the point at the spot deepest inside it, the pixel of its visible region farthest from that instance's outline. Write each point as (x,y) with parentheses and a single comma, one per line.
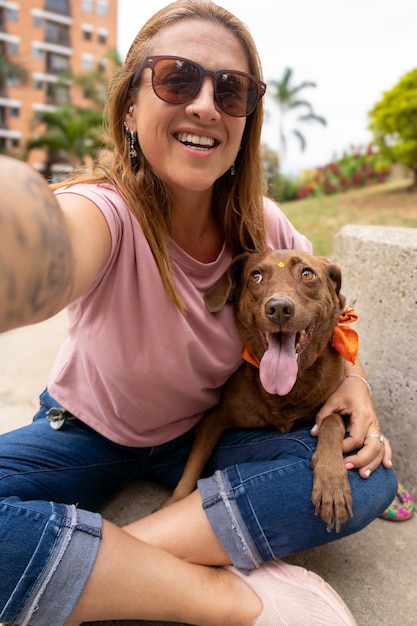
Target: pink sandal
(294,596)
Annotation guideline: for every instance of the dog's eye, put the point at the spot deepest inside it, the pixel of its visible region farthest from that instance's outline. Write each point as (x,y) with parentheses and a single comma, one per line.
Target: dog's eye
(255,277)
(307,274)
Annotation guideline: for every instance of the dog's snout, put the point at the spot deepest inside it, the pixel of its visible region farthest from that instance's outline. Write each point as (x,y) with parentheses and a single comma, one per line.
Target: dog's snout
(280,309)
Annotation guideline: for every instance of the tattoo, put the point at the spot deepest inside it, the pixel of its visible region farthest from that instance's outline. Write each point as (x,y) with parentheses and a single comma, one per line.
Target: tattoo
(36,261)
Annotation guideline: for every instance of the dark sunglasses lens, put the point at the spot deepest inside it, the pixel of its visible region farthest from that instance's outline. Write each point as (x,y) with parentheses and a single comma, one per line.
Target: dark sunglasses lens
(236,93)
(175,81)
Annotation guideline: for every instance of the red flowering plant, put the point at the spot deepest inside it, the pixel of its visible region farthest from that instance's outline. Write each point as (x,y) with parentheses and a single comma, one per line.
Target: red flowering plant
(357,168)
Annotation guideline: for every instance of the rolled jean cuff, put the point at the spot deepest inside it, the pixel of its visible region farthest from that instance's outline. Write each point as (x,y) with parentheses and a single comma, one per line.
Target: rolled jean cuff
(66,572)
(220,506)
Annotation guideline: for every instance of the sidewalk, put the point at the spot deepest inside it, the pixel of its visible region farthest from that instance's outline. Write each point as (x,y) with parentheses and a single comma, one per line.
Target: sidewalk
(374,571)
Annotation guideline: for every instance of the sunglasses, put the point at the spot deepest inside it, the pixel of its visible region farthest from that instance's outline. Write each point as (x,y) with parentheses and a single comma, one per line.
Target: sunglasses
(176,80)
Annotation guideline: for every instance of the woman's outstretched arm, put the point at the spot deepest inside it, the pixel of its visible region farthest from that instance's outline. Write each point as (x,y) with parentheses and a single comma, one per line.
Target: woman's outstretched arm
(49,252)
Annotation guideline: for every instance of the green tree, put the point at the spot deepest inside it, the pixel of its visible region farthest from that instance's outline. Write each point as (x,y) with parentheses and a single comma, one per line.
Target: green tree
(94,84)
(287,98)
(72,133)
(393,123)
(10,71)
(271,167)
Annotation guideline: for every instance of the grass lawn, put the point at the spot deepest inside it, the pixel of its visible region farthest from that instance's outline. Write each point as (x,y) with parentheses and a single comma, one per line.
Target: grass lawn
(390,204)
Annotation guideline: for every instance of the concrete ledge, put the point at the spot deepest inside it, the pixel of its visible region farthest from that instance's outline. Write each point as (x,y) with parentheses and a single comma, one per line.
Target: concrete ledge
(379,269)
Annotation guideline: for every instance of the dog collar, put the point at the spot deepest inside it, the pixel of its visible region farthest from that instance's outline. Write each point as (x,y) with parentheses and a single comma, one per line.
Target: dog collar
(344,339)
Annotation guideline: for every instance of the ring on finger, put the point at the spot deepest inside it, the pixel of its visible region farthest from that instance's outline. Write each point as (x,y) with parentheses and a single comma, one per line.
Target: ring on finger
(380,437)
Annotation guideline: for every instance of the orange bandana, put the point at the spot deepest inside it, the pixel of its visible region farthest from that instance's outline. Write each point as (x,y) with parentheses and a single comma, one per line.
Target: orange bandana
(344,339)
(248,356)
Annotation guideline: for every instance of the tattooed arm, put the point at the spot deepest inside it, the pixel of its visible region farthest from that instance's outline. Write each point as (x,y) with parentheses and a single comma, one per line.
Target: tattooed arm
(49,253)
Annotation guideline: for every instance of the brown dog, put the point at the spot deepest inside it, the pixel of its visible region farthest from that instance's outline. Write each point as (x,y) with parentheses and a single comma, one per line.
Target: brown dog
(287,305)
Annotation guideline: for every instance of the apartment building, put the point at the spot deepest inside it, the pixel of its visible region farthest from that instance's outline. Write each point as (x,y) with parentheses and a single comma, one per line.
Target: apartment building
(40,41)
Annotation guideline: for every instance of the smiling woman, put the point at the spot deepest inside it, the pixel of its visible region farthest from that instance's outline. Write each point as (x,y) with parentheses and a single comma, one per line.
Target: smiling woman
(145,234)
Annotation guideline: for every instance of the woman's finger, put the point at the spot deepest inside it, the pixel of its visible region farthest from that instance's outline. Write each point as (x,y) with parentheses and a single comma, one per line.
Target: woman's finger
(376,450)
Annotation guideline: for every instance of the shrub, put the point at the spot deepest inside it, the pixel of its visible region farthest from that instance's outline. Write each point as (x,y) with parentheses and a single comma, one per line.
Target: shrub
(289,188)
(357,168)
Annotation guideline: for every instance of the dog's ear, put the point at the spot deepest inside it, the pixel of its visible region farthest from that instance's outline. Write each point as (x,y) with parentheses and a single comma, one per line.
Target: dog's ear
(333,271)
(224,291)
(335,275)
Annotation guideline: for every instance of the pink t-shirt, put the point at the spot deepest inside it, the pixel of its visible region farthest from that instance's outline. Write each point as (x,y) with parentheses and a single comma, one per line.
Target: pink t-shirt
(133,367)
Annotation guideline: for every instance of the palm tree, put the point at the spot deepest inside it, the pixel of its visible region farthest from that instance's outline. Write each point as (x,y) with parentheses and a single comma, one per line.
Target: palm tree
(72,133)
(287,98)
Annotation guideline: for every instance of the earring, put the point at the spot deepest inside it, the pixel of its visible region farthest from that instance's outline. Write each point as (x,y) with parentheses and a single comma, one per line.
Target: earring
(130,109)
(132,149)
(233,170)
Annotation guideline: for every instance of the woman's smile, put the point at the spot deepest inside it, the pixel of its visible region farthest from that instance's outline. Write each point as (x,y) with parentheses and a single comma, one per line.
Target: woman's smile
(197,142)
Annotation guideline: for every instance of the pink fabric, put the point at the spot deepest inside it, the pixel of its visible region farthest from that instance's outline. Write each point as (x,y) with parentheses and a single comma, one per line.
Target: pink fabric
(133,368)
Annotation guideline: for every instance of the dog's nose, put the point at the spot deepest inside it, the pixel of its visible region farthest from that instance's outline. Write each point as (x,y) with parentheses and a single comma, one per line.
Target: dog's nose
(279,309)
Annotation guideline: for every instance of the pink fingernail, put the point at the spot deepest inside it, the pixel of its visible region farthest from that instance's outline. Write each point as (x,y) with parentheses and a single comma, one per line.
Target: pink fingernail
(349,466)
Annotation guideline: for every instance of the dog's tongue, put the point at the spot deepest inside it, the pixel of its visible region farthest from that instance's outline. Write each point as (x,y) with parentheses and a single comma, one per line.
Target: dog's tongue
(278,367)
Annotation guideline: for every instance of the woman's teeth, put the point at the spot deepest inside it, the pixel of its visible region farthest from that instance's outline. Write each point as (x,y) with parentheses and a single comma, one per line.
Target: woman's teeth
(196,140)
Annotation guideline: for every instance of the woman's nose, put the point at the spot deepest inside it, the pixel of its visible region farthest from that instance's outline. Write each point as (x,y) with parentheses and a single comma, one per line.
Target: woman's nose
(204,105)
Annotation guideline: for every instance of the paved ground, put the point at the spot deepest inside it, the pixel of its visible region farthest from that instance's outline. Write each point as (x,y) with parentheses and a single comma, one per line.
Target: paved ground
(375,571)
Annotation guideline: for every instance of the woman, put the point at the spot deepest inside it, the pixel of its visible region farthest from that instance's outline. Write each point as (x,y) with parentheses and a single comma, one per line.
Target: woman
(130,250)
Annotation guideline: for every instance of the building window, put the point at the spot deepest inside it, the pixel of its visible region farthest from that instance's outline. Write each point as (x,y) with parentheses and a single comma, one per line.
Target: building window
(37,84)
(15,143)
(12,15)
(37,21)
(12,47)
(87,35)
(58,6)
(57,93)
(87,6)
(37,53)
(102,65)
(14,112)
(102,38)
(102,7)
(13,81)
(57,63)
(57,33)
(87,62)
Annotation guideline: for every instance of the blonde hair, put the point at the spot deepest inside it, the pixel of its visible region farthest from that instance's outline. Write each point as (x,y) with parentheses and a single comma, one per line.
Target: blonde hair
(237,205)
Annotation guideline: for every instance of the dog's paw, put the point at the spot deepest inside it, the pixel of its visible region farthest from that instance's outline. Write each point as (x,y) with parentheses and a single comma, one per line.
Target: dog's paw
(332,498)
(167,502)
(179,494)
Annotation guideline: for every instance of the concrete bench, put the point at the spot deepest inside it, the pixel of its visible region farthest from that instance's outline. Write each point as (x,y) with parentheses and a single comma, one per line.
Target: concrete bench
(379,279)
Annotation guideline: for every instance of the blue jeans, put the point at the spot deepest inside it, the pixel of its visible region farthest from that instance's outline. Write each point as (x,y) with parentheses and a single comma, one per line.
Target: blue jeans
(256,493)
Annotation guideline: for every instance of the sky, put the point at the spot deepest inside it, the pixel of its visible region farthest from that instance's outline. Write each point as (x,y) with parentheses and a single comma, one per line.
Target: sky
(353,51)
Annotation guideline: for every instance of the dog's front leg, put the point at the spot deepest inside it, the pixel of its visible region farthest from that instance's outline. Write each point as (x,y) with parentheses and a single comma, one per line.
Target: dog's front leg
(331,494)
(207,436)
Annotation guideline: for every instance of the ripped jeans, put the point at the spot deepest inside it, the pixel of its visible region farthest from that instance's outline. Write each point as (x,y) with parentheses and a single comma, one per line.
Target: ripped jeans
(256,493)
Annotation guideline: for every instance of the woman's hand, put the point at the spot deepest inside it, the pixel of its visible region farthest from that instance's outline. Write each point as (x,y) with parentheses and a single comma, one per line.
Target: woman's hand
(352,398)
